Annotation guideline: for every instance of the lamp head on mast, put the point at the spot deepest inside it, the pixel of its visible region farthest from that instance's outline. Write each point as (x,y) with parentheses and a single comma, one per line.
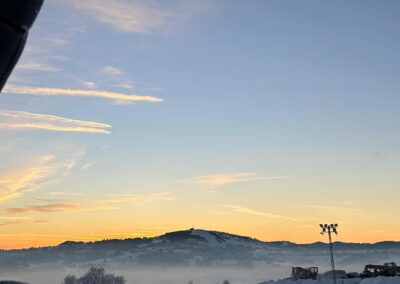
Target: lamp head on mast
(328,228)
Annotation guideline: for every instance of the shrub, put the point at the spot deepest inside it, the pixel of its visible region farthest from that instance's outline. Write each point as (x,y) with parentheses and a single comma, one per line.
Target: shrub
(95,275)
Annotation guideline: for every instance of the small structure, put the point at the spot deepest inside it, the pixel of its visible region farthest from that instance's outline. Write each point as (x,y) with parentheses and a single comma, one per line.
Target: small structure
(389,269)
(353,275)
(304,273)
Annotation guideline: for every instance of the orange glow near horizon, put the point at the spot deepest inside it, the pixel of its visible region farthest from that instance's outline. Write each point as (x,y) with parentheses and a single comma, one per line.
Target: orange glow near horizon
(21,241)
(290,218)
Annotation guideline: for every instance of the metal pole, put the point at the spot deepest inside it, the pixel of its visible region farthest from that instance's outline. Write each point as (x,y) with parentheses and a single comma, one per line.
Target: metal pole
(332,260)
(330,228)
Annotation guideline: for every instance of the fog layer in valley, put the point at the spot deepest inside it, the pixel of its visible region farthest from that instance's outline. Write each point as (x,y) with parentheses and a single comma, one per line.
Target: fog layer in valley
(155,275)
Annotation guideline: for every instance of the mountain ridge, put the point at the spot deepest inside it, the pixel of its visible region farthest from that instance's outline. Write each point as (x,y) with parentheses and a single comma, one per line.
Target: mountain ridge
(186,234)
(195,247)
(175,235)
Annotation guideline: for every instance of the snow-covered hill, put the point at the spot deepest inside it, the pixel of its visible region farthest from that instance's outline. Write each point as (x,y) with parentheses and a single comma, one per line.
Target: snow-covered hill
(209,238)
(202,248)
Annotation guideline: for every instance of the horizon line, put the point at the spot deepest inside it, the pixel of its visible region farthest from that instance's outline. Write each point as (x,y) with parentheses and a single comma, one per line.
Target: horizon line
(114,237)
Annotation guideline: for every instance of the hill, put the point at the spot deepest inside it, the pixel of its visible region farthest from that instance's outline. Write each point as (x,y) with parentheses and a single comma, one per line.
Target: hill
(199,248)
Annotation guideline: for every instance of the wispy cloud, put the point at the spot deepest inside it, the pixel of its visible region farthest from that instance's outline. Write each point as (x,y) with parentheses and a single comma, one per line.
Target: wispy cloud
(111,71)
(17,222)
(60,193)
(116,77)
(27,120)
(36,66)
(139,198)
(250,211)
(337,207)
(15,181)
(348,203)
(137,16)
(45,51)
(89,84)
(55,207)
(11,182)
(43,91)
(87,166)
(59,207)
(104,202)
(228,178)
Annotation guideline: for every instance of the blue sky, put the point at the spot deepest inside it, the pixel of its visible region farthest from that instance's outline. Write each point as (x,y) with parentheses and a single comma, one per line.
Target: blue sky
(270,112)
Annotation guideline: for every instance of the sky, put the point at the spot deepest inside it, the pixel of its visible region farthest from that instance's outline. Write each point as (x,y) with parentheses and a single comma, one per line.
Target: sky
(130,118)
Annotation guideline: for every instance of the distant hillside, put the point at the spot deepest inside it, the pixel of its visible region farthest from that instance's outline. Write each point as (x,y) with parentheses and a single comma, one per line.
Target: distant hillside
(192,236)
(199,248)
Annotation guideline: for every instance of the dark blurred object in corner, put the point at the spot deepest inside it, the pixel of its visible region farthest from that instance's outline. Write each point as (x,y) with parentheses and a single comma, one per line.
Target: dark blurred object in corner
(16,18)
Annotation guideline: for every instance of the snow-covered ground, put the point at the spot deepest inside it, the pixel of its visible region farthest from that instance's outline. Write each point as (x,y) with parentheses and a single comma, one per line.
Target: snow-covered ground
(381,280)
(324,281)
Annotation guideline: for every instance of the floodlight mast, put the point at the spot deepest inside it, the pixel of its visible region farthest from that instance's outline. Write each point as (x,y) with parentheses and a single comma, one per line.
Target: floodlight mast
(330,228)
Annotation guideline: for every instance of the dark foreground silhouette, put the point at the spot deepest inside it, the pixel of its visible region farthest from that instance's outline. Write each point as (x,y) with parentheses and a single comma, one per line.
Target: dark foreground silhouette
(95,275)
(16,18)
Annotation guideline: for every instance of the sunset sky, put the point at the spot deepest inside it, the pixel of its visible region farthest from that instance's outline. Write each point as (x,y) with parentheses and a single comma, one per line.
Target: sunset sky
(262,118)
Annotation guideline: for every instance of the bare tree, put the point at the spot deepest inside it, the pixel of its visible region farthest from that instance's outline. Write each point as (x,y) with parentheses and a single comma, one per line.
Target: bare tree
(70,279)
(95,275)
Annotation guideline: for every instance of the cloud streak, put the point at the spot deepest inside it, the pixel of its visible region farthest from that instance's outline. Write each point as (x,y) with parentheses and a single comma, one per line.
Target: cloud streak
(136,16)
(13,181)
(46,51)
(37,66)
(111,71)
(338,207)
(116,77)
(227,178)
(139,198)
(26,120)
(44,91)
(250,211)
(17,222)
(55,207)
(65,193)
(28,178)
